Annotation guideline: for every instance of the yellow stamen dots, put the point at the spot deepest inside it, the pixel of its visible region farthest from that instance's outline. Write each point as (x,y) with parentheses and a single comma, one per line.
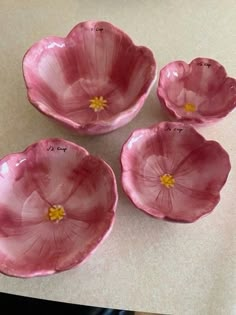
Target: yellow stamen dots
(98,103)
(167,180)
(189,107)
(56,213)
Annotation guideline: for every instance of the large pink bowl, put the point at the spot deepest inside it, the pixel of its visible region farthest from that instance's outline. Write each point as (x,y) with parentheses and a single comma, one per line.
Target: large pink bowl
(57,204)
(171,172)
(199,92)
(94,80)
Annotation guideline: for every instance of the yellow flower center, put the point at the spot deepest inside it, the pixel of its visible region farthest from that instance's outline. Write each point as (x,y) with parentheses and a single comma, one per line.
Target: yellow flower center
(189,107)
(56,213)
(98,103)
(167,180)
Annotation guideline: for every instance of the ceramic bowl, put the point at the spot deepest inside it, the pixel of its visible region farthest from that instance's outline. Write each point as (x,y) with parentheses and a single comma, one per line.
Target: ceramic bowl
(199,92)
(171,172)
(94,80)
(57,204)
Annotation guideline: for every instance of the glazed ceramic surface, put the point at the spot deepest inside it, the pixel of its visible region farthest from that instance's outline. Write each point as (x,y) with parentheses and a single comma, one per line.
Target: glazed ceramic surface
(198,92)
(95,80)
(171,172)
(57,204)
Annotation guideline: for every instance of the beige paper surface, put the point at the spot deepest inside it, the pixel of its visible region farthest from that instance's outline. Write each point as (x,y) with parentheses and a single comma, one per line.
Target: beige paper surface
(145,264)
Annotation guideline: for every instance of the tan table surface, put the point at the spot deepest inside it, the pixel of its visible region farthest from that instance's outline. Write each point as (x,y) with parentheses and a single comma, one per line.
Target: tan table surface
(146,264)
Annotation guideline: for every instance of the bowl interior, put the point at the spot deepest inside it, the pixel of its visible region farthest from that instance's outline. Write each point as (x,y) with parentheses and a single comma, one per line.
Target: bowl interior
(57,205)
(93,74)
(198,89)
(171,172)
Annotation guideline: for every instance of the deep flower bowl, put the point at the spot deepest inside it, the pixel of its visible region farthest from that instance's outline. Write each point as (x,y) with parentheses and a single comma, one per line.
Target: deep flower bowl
(199,92)
(171,172)
(94,80)
(57,204)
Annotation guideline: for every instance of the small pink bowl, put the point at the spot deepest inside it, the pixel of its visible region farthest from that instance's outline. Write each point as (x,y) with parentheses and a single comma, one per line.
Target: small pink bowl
(171,172)
(94,80)
(57,204)
(199,92)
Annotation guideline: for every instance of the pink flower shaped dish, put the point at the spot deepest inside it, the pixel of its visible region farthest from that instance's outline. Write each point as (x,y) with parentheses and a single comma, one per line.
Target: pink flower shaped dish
(199,92)
(57,204)
(94,80)
(171,172)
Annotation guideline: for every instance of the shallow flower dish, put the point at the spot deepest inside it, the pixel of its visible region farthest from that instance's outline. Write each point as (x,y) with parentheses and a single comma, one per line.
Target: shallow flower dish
(199,92)
(94,80)
(57,204)
(171,172)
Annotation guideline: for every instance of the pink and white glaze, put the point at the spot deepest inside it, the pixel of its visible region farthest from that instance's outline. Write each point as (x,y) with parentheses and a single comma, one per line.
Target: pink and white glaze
(171,172)
(199,92)
(57,204)
(94,80)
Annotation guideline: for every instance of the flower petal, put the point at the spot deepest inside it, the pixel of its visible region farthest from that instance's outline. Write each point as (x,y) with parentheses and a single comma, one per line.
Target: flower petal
(140,66)
(190,97)
(221,103)
(35,209)
(79,239)
(146,194)
(75,98)
(53,169)
(15,182)
(168,141)
(206,167)
(172,76)
(94,195)
(83,116)
(206,76)
(48,70)
(139,148)
(47,247)
(48,60)
(189,204)
(98,50)
(27,252)
(198,180)
(177,141)
(42,95)
(37,250)
(85,91)
(10,221)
